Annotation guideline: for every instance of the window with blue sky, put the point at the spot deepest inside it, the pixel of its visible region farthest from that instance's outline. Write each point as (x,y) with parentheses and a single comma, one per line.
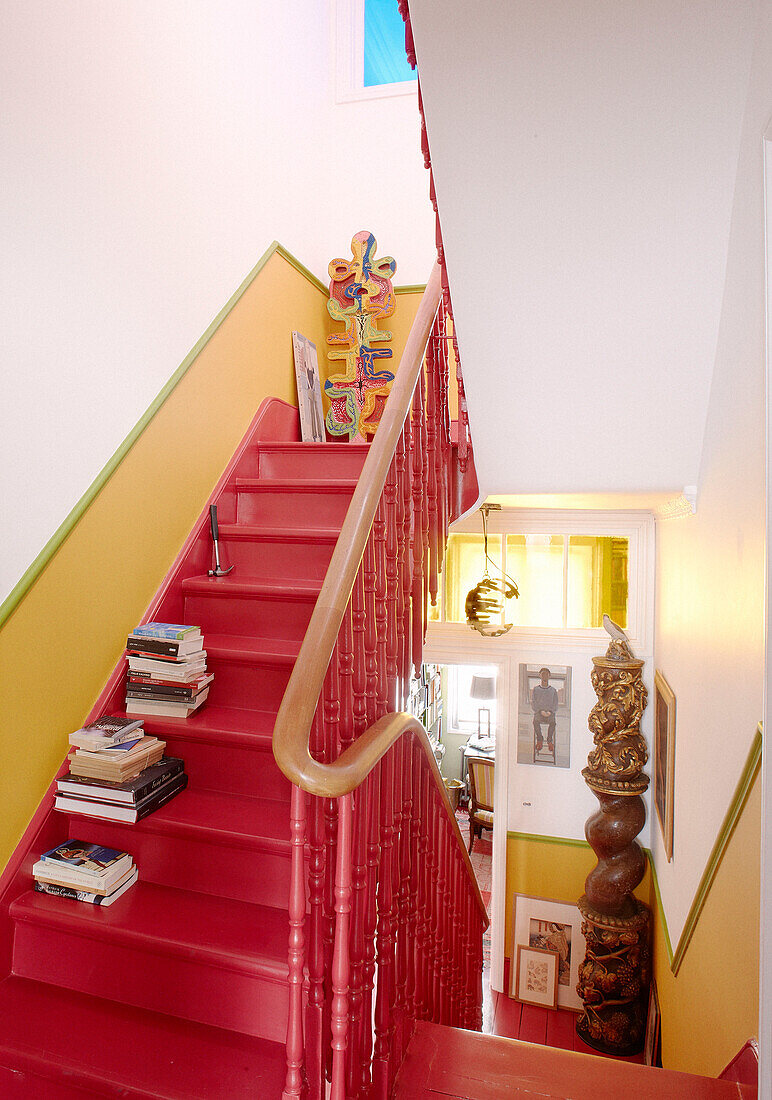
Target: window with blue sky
(385,61)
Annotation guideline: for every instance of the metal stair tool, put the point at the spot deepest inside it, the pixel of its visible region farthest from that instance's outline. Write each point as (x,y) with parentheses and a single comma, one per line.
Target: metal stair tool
(217,571)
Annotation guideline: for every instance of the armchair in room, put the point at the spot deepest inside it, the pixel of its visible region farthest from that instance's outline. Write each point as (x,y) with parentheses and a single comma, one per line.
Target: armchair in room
(481,796)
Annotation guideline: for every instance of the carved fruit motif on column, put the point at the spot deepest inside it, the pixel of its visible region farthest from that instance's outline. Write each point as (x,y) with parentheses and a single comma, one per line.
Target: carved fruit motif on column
(614,977)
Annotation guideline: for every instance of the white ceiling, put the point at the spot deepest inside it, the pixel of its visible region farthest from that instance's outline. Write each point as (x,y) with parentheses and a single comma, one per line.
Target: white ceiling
(584,158)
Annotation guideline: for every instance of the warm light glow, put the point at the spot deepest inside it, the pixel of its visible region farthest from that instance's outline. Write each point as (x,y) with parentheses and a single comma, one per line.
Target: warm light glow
(536,563)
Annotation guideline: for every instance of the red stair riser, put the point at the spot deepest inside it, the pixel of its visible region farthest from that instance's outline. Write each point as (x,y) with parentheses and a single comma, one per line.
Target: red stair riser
(210,994)
(282,460)
(250,772)
(259,504)
(247,686)
(274,558)
(196,863)
(249,616)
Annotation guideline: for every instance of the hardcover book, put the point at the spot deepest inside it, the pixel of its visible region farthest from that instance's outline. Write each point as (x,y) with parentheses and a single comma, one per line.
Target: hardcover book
(162,707)
(163,647)
(189,667)
(138,686)
(173,631)
(130,792)
(130,814)
(92,859)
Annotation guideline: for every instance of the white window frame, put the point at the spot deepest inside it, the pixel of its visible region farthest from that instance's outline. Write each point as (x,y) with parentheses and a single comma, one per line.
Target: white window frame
(349,58)
(636,526)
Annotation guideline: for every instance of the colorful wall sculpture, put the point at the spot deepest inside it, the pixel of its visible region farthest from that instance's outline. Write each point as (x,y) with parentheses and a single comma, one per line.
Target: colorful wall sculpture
(361,295)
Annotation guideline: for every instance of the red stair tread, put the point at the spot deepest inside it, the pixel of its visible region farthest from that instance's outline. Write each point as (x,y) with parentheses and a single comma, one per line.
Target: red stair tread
(220,817)
(229,818)
(235,935)
(121,1051)
(266,533)
(444,1062)
(297,485)
(257,650)
(227,725)
(243,585)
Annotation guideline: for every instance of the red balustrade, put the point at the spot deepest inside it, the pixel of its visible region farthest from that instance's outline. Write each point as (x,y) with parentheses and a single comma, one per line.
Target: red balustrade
(386,919)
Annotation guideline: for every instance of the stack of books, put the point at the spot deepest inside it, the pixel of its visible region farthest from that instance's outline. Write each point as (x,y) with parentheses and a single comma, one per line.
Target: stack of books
(167,674)
(85,872)
(120,775)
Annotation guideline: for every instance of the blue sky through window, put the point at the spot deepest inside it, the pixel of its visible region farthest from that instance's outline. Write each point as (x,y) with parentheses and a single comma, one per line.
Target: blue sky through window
(385,60)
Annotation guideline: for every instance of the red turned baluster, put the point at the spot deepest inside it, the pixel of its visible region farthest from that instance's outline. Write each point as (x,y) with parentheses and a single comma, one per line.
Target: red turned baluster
(371,629)
(371,917)
(345,650)
(407,561)
(385,933)
(392,586)
(401,593)
(412,995)
(359,676)
(294,1084)
(315,1011)
(431,461)
(332,708)
(419,535)
(357,952)
(381,610)
(340,961)
(404,901)
(463,415)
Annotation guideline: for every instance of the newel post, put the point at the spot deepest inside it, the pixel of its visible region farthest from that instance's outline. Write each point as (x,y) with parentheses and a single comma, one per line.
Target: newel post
(614,977)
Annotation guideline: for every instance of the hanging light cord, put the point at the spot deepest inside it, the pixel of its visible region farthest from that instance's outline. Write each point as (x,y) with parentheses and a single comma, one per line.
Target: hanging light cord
(488,558)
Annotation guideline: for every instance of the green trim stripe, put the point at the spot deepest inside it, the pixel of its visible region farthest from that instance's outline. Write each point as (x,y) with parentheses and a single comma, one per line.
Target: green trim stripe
(728,825)
(26,582)
(565,841)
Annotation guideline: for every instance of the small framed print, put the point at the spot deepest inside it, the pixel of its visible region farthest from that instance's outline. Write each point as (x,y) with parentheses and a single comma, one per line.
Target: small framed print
(536,978)
(651,1046)
(552,926)
(309,390)
(664,758)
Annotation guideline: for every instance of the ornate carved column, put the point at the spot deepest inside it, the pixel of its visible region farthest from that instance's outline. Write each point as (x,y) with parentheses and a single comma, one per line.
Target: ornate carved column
(614,977)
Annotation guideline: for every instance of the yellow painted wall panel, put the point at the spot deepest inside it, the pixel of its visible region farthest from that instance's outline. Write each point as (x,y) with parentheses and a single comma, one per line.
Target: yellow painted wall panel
(64,637)
(710,1008)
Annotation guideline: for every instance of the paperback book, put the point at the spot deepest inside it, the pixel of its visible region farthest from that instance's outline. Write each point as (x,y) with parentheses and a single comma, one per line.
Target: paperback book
(85,895)
(109,730)
(174,632)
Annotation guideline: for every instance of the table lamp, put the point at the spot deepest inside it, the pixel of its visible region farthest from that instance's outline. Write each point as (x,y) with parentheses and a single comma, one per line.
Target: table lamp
(483,687)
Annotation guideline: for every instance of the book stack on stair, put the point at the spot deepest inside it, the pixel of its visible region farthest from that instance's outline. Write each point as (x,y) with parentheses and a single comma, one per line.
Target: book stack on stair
(85,872)
(118,772)
(167,674)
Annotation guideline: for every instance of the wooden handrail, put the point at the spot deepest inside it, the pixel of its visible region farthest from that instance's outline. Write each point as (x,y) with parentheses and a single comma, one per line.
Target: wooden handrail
(293,723)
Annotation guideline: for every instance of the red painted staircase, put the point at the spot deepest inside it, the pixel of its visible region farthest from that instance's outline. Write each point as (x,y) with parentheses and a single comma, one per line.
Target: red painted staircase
(180,988)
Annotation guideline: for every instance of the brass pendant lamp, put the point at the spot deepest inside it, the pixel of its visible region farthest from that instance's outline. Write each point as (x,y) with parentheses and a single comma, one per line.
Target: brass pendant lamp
(486,600)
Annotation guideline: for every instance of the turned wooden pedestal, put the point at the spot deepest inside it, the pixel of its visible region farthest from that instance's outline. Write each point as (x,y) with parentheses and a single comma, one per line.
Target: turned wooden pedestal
(614,977)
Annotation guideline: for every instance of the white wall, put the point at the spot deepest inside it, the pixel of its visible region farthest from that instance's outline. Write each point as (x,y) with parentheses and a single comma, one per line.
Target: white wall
(584,159)
(149,154)
(710,567)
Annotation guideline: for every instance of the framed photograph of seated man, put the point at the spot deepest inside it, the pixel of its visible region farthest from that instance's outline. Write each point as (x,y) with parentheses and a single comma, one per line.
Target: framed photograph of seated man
(544,715)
